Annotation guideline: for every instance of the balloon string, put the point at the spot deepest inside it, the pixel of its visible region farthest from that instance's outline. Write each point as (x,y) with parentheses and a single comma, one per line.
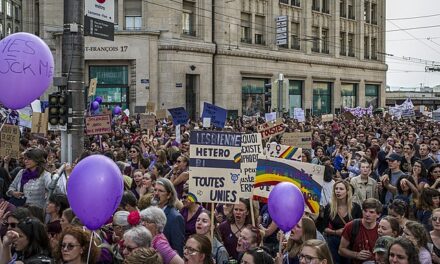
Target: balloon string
(90,246)
(6,120)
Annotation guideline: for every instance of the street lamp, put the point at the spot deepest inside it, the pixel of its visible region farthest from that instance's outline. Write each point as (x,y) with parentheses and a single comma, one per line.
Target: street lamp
(280,95)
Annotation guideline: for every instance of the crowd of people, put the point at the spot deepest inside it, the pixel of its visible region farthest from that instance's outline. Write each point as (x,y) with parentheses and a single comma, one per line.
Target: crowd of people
(380,200)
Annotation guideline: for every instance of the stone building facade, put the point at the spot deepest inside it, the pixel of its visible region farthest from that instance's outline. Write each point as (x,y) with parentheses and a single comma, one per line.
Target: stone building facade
(174,54)
(11,19)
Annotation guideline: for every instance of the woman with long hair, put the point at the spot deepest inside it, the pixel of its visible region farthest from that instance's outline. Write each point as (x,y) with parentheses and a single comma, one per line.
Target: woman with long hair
(302,232)
(434,176)
(250,237)
(74,245)
(197,250)
(419,174)
(257,256)
(337,213)
(435,236)
(180,174)
(402,251)
(315,249)
(416,233)
(389,226)
(428,201)
(135,157)
(190,211)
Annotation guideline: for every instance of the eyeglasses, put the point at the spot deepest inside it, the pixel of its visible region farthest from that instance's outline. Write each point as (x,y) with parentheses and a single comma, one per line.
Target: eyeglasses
(308,259)
(178,161)
(11,225)
(190,250)
(68,246)
(435,219)
(133,151)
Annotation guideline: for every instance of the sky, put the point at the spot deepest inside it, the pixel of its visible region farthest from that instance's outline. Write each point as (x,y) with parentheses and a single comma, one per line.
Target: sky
(409,46)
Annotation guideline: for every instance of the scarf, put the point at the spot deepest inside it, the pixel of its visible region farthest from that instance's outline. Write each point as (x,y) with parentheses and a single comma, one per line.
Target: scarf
(29,175)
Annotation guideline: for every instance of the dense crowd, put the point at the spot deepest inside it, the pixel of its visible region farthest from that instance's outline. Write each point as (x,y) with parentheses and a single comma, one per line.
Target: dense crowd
(379,203)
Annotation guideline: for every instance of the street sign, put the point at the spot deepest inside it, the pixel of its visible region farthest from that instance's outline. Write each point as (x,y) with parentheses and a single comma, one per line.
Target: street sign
(100,9)
(99,28)
(281,30)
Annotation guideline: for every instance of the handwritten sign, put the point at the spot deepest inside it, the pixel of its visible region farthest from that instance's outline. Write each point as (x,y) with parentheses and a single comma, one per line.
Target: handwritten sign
(214,167)
(276,150)
(97,125)
(150,107)
(327,118)
(298,114)
(147,121)
(92,86)
(306,176)
(251,147)
(10,141)
(39,123)
(269,129)
(216,113)
(179,114)
(270,116)
(161,114)
(298,139)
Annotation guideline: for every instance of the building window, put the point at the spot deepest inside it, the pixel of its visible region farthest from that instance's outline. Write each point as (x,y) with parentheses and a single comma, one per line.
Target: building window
(372,95)
(1,30)
(351,44)
(295,95)
(116,16)
(349,95)
(1,6)
(9,9)
(260,23)
(296,3)
(366,47)
(315,5)
(351,9)
(324,41)
(342,46)
(112,84)
(373,48)
(188,18)
(315,39)
(325,6)
(253,96)
(16,30)
(8,30)
(17,12)
(284,2)
(322,98)
(133,14)
(373,14)
(294,36)
(343,8)
(367,11)
(246,28)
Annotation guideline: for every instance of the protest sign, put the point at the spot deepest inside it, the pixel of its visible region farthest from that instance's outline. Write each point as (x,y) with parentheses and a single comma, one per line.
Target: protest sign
(150,107)
(161,114)
(214,167)
(298,139)
(360,111)
(327,118)
(10,141)
(92,87)
(276,150)
(178,135)
(269,129)
(348,115)
(179,114)
(99,124)
(270,116)
(298,114)
(251,147)
(216,113)
(36,106)
(39,123)
(147,121)
(25,117)
(306,176)
(206,122)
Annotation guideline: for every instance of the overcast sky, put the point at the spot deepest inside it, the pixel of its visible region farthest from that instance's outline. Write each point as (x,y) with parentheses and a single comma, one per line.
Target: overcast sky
(412,43)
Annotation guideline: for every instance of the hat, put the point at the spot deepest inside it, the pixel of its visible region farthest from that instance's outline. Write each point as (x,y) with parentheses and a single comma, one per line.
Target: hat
(393,157)
(382,244)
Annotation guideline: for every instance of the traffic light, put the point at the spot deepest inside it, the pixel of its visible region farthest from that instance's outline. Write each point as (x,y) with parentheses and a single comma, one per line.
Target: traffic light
(267,97)
(58,109)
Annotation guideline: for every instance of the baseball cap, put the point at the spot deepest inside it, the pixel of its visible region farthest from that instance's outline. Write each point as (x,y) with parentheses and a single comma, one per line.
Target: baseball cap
(394,157)
(382,244)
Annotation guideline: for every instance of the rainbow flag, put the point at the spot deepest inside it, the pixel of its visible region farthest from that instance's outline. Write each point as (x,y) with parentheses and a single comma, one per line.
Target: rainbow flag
(290,152)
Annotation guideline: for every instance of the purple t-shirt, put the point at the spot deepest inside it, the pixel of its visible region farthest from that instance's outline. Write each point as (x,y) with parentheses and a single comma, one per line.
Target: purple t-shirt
(190,224)
(160,243)
(229,239)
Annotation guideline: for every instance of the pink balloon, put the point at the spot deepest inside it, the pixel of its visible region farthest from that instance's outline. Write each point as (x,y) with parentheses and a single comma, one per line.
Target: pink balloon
(26,69)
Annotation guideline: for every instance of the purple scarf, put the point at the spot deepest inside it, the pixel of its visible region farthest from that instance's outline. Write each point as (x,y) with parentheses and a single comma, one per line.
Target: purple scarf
(29,175)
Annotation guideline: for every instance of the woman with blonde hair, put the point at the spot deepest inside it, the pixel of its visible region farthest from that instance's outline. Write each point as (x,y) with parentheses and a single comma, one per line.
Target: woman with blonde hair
(337,213)
(315,249)
(144,255)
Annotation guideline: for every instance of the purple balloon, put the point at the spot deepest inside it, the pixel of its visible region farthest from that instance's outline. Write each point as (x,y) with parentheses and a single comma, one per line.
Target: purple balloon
(94,190)
(117,110)
(26,69)
(286,205)
(94,105)
(98,99)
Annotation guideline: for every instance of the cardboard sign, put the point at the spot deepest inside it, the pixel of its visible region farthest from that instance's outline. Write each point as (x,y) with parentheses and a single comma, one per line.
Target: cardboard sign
(161,114)
(179,114)
(327,118)
(306,176)
(10,141)
(348,115)
(97,125)
(214,167)
(269,129)
(39,123)
(251,148)
(151,106)
(276,150)
(147,121)
(92,87)
(298,139)
(216,113)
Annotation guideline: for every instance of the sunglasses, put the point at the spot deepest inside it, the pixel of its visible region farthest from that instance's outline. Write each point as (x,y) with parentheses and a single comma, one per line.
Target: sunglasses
(133,151)
(68,246)
(11,225)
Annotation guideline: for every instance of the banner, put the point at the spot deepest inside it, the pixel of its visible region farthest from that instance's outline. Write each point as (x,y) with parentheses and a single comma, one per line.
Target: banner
(97,125)
(147,121)
(276,150)
(216,113)
(298,139)
(360,111)
(180,116)
(39,123)
(214,167)
(269,129)
(306,176)
(251,147)
(10,141)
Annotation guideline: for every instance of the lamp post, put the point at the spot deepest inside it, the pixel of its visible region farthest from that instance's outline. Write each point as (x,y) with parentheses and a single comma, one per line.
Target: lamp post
(280,95)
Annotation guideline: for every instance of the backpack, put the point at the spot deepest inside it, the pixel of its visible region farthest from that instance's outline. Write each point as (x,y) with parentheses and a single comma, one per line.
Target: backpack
(354,231)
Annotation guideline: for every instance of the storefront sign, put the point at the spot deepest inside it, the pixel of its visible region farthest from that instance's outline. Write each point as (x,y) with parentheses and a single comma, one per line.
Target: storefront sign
(97,125)
(269,129)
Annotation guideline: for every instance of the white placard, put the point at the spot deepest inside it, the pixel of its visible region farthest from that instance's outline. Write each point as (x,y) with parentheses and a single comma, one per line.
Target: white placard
(178,137)
(206,122)
(36,106)
(270,116)
(100,9)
